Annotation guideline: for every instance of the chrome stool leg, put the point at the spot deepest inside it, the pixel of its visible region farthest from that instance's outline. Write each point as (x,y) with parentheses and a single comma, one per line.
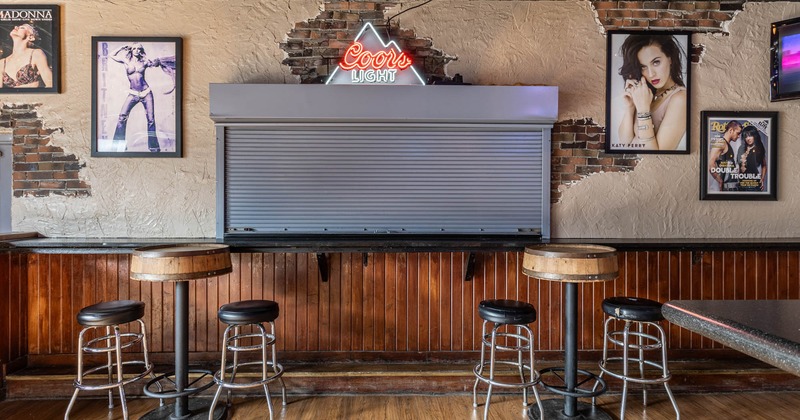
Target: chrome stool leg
(605,357)
(665,370)
(480,367)
(641,361)
(221,374)
(79,379)
(110,366)
(147,359)
(625,348)
(120,377)
(275,364)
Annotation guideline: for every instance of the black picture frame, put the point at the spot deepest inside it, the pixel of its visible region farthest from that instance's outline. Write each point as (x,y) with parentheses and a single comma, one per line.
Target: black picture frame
(617,108)
(784,76)
(137,96)
(42,51)
(723,150)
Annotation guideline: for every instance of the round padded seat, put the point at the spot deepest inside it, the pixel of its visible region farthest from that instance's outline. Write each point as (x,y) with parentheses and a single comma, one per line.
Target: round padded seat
(633,309)
(504,311)
(114,312)
(248,312)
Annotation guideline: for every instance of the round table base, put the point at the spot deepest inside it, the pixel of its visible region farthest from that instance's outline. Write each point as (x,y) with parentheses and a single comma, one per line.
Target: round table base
(554,409)
(198,409)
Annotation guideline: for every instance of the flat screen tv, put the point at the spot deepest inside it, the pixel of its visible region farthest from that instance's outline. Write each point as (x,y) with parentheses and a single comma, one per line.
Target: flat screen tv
(784,78)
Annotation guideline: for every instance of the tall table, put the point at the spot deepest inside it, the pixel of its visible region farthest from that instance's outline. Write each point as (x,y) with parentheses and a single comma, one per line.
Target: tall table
(180,264)
(570,265)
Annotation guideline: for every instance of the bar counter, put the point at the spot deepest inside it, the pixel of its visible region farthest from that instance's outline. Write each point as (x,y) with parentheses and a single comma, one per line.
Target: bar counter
(390,243)
(387,298)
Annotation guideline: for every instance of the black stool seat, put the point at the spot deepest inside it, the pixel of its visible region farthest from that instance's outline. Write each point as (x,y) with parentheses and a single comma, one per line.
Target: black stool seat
(248,312)
(633,309)
(114,312)
(504,311)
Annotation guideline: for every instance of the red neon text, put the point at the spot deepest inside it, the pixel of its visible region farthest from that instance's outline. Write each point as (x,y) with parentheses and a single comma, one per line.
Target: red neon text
(356,58)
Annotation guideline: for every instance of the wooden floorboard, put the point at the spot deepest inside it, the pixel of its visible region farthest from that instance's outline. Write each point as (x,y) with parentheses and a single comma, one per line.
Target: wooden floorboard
(753,406)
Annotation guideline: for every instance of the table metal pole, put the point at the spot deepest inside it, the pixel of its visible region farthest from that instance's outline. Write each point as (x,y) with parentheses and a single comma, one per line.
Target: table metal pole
(571,346)
(181,347)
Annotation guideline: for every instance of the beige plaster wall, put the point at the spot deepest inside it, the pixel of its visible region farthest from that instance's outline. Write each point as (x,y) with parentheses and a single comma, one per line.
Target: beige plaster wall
(660,198)
(496,42)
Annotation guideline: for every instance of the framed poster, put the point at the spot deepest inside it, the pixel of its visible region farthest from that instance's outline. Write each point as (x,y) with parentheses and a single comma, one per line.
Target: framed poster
(647,92)
(738,155)
(30,47)
(136,96)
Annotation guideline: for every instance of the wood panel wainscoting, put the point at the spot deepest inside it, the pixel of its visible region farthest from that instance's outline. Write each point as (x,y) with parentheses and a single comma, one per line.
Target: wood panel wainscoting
(13,311)
(377,307)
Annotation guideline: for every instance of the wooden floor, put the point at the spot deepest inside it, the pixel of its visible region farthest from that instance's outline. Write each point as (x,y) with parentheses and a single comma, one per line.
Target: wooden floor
(754,406)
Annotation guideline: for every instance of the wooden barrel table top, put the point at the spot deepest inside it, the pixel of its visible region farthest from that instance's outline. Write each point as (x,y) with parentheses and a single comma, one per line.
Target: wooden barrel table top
(180,262)
(575,263)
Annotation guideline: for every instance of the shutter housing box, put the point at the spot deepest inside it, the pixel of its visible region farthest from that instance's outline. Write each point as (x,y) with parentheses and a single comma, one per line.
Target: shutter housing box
(316,159)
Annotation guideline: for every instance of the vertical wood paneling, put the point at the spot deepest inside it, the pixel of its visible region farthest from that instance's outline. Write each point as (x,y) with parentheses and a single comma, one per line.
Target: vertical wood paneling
(13,307)
(415,302)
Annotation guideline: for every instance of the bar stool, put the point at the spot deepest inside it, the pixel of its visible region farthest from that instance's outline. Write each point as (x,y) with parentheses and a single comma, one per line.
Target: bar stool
(505,315)
(110,315)
(241,314)
(641,312)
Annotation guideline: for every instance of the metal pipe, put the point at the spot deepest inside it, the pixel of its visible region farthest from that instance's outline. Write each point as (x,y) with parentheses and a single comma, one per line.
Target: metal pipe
(571,347)
(181,347)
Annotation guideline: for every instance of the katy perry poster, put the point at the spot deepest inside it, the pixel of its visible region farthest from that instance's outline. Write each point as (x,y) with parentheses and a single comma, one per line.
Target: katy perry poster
(136,96)
(647,92)
(738,155)
(29,48)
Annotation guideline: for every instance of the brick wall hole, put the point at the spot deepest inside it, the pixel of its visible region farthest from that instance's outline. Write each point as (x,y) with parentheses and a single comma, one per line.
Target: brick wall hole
(315,46)
(40,169)
(578,151)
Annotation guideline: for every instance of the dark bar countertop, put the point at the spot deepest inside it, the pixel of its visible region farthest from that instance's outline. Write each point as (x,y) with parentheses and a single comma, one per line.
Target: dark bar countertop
(330,243)
(768,330)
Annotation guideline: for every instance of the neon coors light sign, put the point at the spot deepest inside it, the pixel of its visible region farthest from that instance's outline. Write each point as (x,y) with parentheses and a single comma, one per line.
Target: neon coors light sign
(370,61)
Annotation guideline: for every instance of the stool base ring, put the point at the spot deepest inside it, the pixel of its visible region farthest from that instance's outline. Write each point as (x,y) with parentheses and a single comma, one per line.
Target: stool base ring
(554,410)
(198,410)
(189,390)
(485,379)
(598,384)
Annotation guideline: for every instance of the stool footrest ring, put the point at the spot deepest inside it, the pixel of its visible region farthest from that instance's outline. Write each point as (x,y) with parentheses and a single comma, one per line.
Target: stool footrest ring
(174,393)
(535,378)
(80,385)
(636,379)
(598,384)
(277,372)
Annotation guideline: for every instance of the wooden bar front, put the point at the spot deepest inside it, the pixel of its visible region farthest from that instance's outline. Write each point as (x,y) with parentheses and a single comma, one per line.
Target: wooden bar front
(399,306)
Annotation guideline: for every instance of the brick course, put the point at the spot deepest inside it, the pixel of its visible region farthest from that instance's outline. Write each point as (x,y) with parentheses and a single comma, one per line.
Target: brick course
(578,151)
(315,47)
(40,169)
(695,16)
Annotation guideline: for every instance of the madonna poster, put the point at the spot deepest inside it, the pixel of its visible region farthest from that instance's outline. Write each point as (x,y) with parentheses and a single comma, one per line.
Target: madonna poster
(29,48)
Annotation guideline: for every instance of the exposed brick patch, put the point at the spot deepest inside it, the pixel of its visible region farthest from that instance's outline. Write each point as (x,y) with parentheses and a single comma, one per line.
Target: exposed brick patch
(578,151)
(694,16)
(314,47)
(40,169)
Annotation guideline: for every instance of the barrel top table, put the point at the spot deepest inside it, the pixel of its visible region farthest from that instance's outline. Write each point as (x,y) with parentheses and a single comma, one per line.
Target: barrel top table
(181,263)
(571,264)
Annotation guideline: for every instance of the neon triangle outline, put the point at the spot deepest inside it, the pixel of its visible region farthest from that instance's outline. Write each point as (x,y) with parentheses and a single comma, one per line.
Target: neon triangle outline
(385,45)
